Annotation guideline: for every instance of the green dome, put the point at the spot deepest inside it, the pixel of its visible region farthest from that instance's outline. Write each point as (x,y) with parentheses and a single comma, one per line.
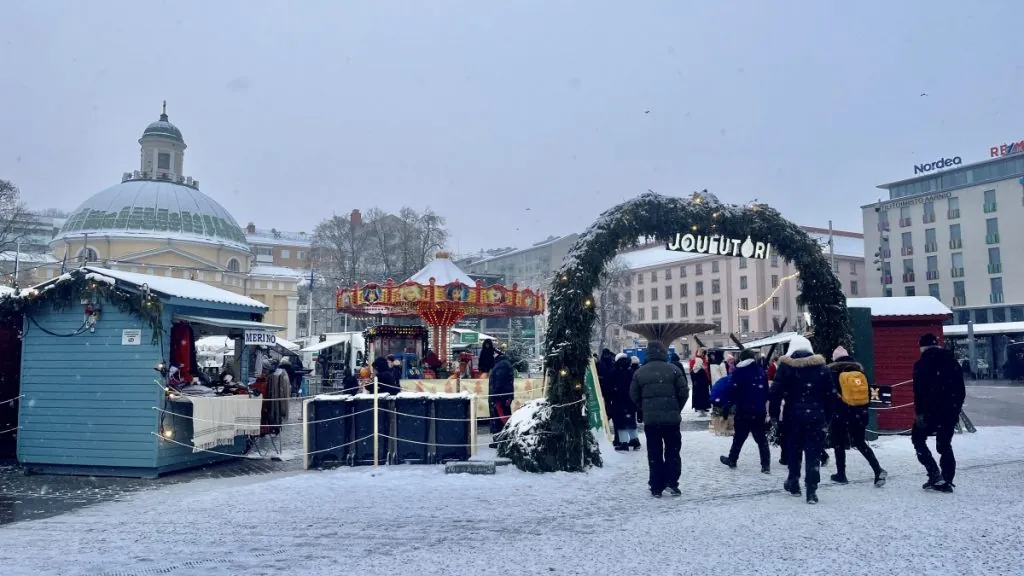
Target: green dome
(162,128)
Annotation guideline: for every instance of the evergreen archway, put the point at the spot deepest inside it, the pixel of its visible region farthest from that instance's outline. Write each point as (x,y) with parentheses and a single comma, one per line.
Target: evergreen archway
(558,437)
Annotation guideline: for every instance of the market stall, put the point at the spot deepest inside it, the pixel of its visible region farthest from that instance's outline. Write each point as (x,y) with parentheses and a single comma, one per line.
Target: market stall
(107,358)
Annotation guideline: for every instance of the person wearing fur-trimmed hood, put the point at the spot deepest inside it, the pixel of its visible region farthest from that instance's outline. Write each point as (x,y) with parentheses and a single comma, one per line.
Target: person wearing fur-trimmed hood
(748,392)
(851,417)
(621,409)
(700,381)
(804,383)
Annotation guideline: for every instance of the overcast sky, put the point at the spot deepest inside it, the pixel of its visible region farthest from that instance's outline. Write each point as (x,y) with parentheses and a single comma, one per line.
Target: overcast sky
(484,109)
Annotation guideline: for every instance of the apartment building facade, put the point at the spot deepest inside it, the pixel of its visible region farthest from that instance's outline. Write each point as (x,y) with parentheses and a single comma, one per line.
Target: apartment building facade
(952,235)
(739,296)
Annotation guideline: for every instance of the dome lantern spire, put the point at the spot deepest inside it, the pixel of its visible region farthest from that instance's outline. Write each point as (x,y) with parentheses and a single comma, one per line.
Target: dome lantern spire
(163,114)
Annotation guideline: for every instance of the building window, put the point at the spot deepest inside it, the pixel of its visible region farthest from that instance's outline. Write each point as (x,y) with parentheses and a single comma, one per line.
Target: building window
(957,258)
(716,306)
(654,313)
(700,308)
(627,296)
(744,304)
(929,211)
(88,255)
(990,201)
(698,269)
(995,262)
(640,314)
(954,232)
(932,266)
(639,278)
(853,268)
(684,310)
(959,292)
(640,295)
(669,312)
(991,230)
(775,280)
(904,213)
(682,291)
(775,260)
(910,291)
(743,263)
(668,292)
(163,161)
(888,292)
(714,266)
(776,303)
(999,315)
(933,291)
(300,255)
(907,240)
(743,282)
(234,266)
(682,271)
(717,330)
(654,294)
(716,286)
(654,275)
(908,267)
(996,285)
(744,325)
(854,288)
(698,288)
(286,254)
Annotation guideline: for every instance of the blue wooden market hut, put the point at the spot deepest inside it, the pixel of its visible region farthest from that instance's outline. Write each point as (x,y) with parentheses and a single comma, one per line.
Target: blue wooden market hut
(91,401)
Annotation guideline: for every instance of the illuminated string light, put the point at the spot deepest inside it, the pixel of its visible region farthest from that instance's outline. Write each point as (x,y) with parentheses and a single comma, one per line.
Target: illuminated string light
(770,296)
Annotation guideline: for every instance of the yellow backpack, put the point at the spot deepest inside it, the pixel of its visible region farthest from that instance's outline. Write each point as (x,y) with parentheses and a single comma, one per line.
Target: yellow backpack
(853,388)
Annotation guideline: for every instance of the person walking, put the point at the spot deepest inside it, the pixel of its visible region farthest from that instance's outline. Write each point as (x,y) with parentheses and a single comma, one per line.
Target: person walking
(621,409)
(938,399)
(659,391)
(700,377)
(804,383)
(749,394)
(851,416)
(485,363)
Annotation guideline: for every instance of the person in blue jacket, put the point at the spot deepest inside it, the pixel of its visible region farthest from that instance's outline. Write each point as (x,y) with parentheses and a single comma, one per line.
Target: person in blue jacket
(748,393)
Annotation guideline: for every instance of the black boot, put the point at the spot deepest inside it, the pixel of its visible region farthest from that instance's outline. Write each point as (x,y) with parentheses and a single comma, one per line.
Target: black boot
(840,478)
(812,496)
(634,443)
(725,460)
(792,486)
(880,476)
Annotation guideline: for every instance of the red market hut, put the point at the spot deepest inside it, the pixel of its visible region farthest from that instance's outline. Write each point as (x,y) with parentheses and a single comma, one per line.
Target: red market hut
(897,324)
(441,294)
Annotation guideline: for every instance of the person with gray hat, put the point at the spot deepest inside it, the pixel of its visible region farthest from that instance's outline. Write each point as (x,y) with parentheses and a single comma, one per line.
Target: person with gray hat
(938,399)
(659,391)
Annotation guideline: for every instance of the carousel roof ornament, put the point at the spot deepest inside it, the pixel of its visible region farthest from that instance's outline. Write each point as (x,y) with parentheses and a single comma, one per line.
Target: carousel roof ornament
(443,271)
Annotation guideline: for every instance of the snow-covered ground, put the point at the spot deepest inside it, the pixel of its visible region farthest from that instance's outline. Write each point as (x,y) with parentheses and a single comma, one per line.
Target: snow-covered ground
(416,520)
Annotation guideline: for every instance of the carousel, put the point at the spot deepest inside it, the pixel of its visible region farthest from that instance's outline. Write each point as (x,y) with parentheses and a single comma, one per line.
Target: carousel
(440,295)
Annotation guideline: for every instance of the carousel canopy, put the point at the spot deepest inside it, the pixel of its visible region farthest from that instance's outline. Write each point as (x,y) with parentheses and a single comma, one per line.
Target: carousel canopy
(667,332)
(441,294)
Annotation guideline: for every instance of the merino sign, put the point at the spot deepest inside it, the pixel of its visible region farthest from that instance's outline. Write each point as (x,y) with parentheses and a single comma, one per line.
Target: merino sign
(259,338)
(720,245)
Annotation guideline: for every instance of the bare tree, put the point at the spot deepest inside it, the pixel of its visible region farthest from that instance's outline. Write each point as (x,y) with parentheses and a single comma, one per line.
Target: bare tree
(611,305)
(341,248)
(408,239)
(12,216)
(382,230)
(433,236)
(53,213)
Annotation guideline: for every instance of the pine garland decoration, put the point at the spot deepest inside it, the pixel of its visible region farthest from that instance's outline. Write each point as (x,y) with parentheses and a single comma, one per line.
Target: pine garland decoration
(69,290)
(562,440)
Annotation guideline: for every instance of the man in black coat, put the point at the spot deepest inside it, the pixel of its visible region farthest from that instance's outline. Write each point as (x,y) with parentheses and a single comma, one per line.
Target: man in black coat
(386,383)
(500,390)
(803,381)
(938,399)
(659,391)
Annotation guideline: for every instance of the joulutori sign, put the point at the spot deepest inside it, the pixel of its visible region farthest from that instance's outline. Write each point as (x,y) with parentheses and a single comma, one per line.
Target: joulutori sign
(721,245)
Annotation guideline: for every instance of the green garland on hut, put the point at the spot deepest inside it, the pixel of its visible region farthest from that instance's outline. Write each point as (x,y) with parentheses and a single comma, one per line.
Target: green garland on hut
(71,288)
(559,438)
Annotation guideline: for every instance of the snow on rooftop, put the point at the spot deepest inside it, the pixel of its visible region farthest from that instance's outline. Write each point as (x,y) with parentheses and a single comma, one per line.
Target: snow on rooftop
(443,271)
(277,271)
(656,255)
(180,288)
(901,306)
(11,255)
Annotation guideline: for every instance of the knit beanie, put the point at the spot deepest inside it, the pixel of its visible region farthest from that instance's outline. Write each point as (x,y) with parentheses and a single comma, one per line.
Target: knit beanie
(839,352)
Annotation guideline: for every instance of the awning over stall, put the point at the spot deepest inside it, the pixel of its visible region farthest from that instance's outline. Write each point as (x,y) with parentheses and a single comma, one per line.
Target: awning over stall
(321,345)
(229,324)
(781,338)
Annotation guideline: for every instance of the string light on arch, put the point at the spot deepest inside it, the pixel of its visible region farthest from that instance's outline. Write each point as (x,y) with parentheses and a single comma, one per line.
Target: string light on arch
(767,300)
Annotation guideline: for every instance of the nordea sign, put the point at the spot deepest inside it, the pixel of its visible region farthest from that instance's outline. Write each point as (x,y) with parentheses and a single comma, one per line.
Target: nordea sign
(940,164)
(700,244)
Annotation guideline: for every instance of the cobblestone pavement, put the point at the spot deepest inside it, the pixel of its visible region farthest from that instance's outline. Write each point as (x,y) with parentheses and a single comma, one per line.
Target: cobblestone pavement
(31,497)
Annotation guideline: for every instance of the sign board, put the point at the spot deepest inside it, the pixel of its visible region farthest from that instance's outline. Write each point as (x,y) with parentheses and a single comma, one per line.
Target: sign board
(701,244)
(259,338)
(131,337)
(940,164)
(881,395)
(1008,149)
(596,416)
(469,337)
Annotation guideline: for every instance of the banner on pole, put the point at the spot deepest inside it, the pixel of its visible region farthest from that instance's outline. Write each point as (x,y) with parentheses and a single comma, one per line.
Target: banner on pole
(596,415)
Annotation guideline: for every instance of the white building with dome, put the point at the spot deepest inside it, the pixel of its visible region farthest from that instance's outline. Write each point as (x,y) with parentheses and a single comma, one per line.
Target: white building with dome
(157,221)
